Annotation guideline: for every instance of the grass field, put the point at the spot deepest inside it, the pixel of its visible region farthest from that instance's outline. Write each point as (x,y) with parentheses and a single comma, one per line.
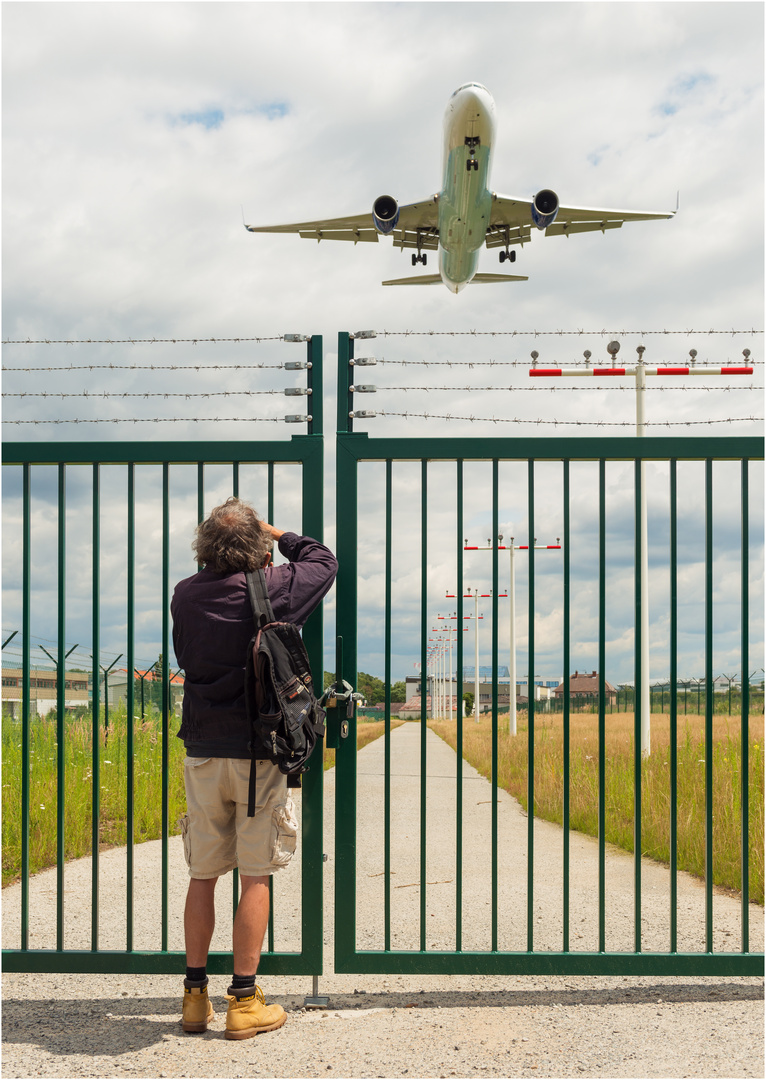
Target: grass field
(78,790)
(655,772)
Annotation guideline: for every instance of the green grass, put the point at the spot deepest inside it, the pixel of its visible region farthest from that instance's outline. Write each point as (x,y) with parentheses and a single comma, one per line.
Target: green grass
(78,785)
(619,784)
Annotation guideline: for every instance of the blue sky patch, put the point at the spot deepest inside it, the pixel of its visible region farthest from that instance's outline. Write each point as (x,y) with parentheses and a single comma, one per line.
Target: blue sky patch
(680,89)
(273,110)
(209,118)
(214,117)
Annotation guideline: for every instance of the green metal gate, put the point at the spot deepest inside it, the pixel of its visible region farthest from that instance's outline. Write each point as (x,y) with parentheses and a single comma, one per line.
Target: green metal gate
(425,461)
(364,463)
(155,473)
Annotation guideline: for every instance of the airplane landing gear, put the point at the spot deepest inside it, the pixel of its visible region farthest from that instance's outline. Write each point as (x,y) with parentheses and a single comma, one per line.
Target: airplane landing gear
(509,255)
(419,258)
(472,163)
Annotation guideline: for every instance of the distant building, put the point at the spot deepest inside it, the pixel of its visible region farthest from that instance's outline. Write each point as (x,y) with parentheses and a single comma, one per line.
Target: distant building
(42,690)
(118,687)
(584,686)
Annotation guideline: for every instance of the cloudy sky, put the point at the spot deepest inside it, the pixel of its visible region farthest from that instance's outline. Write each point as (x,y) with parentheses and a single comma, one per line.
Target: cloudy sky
(134,132)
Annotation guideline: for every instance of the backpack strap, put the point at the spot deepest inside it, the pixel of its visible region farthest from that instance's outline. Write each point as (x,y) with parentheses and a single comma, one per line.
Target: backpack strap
(262,614)
(259,598)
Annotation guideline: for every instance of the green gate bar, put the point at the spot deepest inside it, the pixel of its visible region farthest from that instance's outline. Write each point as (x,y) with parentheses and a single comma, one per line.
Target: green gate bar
(424,693)
(387,734)
(565,717)
(60,699)
(354,448)
(709,705)
(745,715)
(601,706)
(531,710)
(637,716)
(95,700)
(25,700)
(673,763)
(131,662)
(459,540)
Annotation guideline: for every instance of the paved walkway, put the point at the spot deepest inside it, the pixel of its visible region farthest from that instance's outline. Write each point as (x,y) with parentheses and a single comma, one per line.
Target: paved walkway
(103,1026)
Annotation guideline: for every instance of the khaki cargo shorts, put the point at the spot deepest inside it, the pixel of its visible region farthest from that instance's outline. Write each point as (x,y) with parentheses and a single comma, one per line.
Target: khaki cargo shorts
(217,833)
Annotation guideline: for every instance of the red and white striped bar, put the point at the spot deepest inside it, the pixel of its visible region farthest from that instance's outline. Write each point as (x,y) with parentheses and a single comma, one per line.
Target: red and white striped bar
(580,372)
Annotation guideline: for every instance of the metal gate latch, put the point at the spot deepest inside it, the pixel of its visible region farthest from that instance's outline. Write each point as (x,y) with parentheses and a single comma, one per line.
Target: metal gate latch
(333,698)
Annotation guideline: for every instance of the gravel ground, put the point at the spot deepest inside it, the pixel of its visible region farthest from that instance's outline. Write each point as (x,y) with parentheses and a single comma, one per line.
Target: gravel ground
(398,1026)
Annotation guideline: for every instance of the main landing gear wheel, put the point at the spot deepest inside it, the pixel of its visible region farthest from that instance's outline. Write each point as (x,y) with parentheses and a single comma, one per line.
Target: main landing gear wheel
(509,255)
(419,259)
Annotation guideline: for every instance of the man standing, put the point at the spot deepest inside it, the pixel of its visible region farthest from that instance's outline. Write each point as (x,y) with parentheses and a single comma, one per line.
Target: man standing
(212,627)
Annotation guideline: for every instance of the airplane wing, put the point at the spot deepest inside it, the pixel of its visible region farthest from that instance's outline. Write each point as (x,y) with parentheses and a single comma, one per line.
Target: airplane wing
(416,221)
(511,220)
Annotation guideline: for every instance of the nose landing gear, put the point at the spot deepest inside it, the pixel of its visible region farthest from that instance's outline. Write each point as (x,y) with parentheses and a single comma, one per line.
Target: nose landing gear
(472,141)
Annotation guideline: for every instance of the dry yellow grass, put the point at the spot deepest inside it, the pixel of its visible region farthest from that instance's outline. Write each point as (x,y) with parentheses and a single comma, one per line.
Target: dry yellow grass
(619,784)
(366,732)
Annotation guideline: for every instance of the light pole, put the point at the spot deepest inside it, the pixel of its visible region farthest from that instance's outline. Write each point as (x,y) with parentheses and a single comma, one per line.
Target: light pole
(450,630)
(639,373)
(513,548)
(476,616)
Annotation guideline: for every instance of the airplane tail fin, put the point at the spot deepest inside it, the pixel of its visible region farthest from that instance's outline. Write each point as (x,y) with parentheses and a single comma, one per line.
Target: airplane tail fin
(422,279)
(488,279)
(435,279)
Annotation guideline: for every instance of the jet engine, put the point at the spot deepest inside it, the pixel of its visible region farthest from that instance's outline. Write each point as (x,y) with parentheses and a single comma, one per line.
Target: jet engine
(385,214)
(545,206)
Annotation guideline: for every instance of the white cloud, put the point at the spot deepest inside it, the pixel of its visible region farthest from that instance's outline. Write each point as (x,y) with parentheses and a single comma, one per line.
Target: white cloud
(133,133)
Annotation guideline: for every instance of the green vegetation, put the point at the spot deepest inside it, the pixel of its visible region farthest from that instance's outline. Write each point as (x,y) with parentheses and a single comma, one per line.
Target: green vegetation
(78,784)
(374,689)
(655,782)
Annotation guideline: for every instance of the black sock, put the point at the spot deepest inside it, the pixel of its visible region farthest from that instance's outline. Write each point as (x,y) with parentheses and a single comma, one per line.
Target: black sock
(196,974)
(241,982)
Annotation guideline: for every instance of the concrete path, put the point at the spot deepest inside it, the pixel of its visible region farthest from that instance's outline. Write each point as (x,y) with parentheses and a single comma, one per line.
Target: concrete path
(391,1026)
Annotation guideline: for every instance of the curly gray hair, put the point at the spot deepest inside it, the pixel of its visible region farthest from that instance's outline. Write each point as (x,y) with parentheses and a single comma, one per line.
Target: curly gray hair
(232,539)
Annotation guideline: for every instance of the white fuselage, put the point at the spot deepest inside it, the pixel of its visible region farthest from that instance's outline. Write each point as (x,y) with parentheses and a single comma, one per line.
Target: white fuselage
(465,199)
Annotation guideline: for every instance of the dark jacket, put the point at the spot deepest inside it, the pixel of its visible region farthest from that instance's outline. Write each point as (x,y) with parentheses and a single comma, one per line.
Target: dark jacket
(212,627)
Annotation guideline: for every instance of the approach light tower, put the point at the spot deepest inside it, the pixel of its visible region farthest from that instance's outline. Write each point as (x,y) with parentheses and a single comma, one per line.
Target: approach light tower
(476,616)
(639,372)
(512,594)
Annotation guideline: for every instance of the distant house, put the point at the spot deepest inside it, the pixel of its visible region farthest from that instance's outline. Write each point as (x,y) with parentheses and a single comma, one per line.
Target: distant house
(118,686)
(43,690)
(584,686)
(411,708)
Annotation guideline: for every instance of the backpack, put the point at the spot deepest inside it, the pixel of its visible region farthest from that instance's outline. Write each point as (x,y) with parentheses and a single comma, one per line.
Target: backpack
(285,718)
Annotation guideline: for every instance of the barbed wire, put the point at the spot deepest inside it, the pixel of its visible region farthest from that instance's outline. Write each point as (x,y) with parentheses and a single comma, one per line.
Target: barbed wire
(555,333)
(139,341)
(571,423)
(162,420)
(379,333)
(565,389)
(101,394)
(279,367)
(145,394)
(513,363)
(152,367)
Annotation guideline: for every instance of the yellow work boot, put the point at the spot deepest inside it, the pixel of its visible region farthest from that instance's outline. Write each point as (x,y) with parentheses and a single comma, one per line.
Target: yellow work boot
(249,1014)
(197,1010)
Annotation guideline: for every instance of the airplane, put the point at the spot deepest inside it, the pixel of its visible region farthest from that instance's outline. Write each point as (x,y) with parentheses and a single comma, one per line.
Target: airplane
(465,214)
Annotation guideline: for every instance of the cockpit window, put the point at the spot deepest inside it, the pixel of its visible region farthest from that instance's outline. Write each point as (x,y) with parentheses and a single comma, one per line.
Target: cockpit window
(468,86)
